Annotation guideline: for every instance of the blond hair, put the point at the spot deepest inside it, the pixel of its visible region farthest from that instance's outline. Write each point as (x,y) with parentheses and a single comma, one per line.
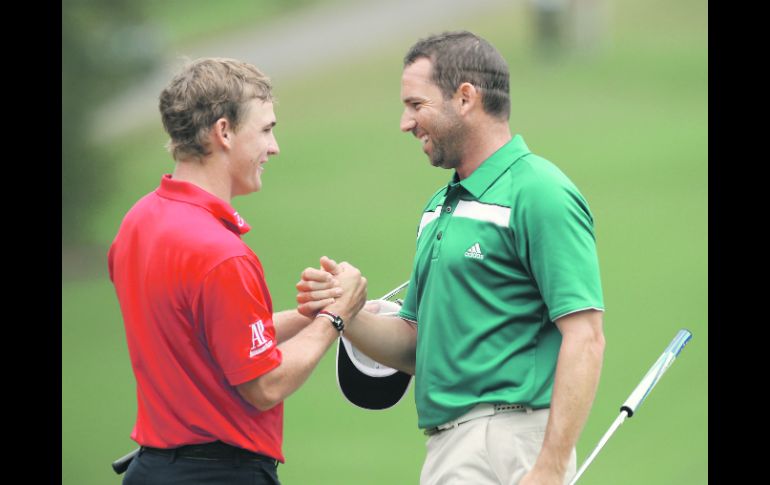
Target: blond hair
(206,90)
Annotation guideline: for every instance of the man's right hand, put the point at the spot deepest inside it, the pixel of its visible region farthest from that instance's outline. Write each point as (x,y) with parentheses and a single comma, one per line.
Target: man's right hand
(317,289)
(317,284)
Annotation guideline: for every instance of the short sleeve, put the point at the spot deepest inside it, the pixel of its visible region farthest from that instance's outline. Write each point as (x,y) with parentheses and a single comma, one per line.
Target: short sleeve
(555,238)
(237,320)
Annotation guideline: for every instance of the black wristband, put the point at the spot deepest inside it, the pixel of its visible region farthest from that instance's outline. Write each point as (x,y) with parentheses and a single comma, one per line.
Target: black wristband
(336,320)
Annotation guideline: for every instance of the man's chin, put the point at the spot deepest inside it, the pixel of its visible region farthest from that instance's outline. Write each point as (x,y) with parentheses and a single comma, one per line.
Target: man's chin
(442,164)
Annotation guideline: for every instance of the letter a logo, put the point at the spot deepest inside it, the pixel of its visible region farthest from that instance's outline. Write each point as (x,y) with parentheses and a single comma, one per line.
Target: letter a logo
(259,343)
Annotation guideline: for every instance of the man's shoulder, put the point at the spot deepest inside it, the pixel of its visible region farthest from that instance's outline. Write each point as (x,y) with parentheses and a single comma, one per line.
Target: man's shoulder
(201,250)
(533,174)
(539,188)
(142,205)
(210,239)
(187,227)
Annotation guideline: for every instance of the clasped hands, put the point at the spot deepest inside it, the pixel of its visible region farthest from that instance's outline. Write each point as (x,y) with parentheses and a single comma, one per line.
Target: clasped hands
(335,287)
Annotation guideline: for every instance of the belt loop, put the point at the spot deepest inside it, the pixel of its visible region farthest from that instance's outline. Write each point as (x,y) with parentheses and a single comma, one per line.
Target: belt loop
(236,459)
(529,409)
(173,455)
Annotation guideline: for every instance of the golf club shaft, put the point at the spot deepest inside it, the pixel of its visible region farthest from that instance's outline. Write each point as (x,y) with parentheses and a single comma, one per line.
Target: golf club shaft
(393,292)
(640,393)
(618,421)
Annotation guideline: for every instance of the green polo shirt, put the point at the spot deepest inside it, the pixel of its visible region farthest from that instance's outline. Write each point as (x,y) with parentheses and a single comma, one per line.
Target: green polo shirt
(500,256)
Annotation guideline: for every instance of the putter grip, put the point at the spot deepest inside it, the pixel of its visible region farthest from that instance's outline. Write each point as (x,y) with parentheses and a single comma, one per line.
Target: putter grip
(657,370)
(121,464)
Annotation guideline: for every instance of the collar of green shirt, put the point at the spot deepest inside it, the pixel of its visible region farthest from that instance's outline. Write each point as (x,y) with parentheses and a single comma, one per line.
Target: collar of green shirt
(493,167)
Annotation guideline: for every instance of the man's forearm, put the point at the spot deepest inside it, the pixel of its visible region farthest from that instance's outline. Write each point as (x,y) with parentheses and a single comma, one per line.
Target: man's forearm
(302,353)
(577,379)
(300,356)
(389,340)
(288,323)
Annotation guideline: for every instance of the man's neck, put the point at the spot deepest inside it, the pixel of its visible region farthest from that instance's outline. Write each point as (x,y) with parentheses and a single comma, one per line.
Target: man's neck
(206,174)
(480,145)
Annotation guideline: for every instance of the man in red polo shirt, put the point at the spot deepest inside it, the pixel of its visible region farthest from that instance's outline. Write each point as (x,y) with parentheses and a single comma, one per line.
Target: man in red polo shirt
(212,362)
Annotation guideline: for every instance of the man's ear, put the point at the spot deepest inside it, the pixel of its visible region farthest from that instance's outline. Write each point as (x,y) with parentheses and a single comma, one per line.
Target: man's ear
(222,133)
(468,97)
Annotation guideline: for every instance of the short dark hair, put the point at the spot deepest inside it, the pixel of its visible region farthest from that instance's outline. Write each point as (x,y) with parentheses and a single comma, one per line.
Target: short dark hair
(206,90)
(462,56)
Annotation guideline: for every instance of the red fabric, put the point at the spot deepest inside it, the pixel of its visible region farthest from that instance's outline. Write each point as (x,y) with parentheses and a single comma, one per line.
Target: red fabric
(198,321)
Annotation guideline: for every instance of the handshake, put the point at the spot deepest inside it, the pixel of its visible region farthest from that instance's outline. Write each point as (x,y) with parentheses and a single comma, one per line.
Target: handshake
(338,288)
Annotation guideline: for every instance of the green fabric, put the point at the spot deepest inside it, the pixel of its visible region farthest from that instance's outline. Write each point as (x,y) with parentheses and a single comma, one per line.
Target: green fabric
(514,252)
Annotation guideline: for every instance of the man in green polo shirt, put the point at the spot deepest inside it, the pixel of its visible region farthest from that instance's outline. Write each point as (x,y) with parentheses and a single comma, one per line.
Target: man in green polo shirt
(502,323)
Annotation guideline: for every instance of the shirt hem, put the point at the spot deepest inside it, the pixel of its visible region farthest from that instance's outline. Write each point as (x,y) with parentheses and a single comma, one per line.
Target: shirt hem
(265,365)
(408,318)
(578,310)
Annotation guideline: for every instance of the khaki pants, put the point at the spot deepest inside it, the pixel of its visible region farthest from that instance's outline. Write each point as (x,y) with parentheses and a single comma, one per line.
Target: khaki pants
(494,450)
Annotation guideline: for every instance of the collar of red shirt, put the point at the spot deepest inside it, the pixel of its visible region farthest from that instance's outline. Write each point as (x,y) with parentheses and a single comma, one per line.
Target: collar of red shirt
(192,194)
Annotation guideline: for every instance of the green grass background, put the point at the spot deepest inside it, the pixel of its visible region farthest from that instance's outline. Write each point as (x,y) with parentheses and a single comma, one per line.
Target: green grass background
(629,127)
(191,21)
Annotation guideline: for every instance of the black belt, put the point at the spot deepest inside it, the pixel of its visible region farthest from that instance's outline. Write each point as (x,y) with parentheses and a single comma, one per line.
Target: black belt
(211,451)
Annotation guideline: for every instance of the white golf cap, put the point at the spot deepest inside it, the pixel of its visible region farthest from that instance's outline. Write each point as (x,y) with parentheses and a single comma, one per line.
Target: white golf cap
(364,381)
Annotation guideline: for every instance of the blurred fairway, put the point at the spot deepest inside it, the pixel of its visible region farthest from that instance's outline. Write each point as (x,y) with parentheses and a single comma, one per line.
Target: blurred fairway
(186,21)
(629,127)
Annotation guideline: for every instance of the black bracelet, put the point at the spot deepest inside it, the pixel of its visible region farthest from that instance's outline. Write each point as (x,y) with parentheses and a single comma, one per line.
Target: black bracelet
(336,320)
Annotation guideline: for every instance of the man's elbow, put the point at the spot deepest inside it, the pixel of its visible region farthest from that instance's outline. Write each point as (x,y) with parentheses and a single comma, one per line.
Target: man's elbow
(410,363)
(259,395)
(406,367)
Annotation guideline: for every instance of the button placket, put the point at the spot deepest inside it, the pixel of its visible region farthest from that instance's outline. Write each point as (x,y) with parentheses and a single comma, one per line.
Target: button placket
(443,221)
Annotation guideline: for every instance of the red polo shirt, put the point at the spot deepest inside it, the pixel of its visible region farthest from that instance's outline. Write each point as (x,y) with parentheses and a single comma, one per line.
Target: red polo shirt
(198,320)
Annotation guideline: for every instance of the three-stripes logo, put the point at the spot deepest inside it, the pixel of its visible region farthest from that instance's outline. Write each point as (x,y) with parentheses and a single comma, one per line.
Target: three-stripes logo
(474,252)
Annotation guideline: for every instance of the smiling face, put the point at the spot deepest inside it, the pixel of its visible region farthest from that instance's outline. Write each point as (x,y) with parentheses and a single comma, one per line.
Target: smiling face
(253,142)
(429,117)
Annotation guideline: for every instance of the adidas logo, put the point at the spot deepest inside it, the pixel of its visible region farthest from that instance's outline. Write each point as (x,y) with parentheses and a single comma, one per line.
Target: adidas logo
(474,252)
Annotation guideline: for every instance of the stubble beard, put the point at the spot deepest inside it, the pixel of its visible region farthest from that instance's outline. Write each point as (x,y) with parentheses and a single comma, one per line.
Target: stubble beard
(448,141)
